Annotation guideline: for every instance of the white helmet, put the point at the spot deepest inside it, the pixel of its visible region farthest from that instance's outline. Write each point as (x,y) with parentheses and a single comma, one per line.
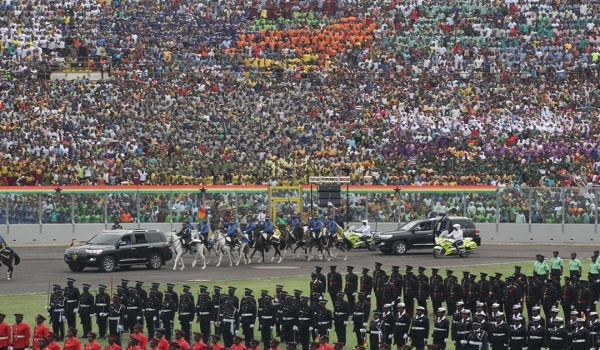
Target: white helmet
(456,226)
(365,222)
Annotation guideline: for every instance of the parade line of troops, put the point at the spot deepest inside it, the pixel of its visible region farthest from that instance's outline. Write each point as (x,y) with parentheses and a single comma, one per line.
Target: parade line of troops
(384,310)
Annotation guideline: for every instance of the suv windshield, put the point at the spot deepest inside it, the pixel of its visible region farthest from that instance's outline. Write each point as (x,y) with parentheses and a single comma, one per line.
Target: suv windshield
(104,239)
(409,225)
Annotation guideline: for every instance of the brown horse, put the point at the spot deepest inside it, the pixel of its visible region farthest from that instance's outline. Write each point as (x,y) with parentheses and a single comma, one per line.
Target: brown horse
(6,257)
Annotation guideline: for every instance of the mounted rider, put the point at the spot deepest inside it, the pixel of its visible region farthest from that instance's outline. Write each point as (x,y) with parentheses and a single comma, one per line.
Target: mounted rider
(204,230)
(250,227)
(331,227)
(316,226)
(116,225)
(296,220)
(268,228)
(4,245)
(231,230)
(185,234)
(281,222)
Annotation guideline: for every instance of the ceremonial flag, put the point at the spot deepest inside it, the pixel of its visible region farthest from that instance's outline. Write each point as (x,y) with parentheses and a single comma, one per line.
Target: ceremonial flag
(201,213)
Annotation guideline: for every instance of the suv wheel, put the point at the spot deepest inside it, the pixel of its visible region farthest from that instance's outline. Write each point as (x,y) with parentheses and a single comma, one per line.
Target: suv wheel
(155,262)
(76,268)
(108,264)
(399,248)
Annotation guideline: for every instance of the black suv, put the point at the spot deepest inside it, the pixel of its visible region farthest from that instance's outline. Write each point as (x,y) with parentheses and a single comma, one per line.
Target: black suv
(418,234)
(122,248)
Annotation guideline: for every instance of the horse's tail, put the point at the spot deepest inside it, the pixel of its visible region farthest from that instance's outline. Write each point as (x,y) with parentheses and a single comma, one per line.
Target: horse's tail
(17,259)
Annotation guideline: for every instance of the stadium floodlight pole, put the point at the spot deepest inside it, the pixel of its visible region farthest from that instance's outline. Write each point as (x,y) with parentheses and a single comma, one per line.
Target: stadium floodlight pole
(203,193)
(347,204)
(311,201)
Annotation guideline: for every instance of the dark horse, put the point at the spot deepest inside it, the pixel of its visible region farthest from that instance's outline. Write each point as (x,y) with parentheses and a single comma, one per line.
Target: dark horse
(6,258)
(260,244)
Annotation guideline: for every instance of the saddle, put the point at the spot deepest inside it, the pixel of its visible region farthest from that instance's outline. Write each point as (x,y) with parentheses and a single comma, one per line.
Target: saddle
(5,253)
(186,243)
(235,241)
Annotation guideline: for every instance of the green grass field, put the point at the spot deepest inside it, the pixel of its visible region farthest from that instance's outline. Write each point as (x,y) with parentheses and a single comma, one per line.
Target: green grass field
(32,304)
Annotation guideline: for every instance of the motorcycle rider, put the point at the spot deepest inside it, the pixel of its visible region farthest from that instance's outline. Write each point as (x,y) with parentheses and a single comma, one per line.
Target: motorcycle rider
(456,235)
(365,229)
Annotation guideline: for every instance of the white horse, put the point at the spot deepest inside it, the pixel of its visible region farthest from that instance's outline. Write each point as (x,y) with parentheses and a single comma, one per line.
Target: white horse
(222,247)
(179,250)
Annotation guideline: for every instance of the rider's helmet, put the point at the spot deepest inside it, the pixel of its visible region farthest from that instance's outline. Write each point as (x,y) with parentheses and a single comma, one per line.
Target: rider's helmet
(365,222)
(456,226)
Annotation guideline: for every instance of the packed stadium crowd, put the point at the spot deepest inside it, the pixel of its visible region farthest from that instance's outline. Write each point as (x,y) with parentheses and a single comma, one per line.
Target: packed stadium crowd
(272,92)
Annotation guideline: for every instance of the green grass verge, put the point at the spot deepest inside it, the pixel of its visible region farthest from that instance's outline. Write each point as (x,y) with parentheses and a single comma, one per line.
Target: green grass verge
(32,304)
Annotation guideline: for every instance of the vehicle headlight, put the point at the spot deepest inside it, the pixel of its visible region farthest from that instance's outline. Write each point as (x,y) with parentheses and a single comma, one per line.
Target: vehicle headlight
(94,251)
(385,236)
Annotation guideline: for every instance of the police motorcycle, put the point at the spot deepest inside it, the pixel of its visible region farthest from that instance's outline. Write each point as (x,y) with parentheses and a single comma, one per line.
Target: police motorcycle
(358,240)
(444,246)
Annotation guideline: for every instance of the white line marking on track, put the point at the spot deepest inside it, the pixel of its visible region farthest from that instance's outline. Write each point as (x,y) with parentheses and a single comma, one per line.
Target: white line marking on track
(274,267)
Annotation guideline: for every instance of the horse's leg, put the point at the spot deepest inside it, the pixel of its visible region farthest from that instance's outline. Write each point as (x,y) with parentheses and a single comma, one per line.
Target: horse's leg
(219,253)
(181,261)
(195,255)
(201,251)
(177,257)
(246,251)
(10,270)
(231,250)
(237,262)
(281,258)
(277,252)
